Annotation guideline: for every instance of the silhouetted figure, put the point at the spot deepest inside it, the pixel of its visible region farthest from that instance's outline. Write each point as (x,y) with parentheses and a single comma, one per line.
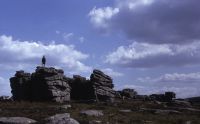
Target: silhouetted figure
(43,61)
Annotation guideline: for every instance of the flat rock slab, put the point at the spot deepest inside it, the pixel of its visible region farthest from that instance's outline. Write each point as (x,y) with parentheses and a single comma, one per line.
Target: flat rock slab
(95,113)
(61,119)
(65,106)
(16,120)
(125,111)
(160,111)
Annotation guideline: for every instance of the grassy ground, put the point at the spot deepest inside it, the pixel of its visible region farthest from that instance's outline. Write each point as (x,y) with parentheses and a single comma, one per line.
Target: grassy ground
(39,111)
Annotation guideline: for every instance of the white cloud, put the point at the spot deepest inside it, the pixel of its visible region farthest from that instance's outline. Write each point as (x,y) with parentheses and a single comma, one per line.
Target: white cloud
(183,84)
(67,36)
(17,53)
(181,92)
(99,16)
(133,4)
(174,78)
(145,55)
(111,72)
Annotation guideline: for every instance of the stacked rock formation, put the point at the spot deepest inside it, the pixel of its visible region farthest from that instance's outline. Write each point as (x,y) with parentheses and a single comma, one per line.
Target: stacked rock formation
(103,85)
(50,84)
(46,84)
(20,85)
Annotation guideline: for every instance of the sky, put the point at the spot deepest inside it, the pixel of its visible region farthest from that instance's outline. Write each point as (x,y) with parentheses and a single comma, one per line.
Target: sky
(152,46)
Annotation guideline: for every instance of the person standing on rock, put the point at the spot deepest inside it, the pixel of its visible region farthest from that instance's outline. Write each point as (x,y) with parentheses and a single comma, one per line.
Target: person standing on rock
(43,61)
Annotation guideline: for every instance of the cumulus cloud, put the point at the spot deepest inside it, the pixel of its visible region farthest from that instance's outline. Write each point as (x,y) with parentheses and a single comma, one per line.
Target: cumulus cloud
(21,54)
(111,72)
(153,21)
(145,55)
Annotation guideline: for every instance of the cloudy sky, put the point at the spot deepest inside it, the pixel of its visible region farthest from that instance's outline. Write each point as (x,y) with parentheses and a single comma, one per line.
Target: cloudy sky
(152,46)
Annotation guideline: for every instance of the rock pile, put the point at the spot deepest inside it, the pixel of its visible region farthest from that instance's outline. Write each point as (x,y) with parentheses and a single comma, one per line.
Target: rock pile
(103,85)
(46,84)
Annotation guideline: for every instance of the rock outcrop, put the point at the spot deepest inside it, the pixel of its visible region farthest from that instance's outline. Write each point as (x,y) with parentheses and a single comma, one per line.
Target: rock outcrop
(45,84)
(103,85)
(167,97)
(128,93)
(50,84)
(99,87)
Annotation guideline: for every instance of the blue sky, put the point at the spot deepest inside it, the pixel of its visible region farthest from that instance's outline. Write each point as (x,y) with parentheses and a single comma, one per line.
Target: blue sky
(150,45)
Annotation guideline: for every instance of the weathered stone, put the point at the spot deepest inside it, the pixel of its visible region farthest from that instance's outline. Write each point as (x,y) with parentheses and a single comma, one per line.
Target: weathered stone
(61,119)
(20,85)
(103,85)
(16,120)
(95,113)
(46,84)
(50,84)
